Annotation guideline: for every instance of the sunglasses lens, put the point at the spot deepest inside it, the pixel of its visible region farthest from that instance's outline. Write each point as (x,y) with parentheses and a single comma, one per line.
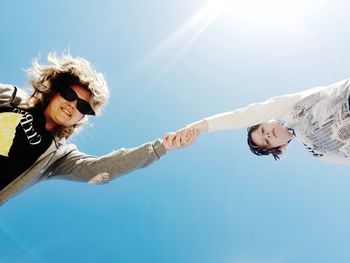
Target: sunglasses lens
(84,107)
(68,94)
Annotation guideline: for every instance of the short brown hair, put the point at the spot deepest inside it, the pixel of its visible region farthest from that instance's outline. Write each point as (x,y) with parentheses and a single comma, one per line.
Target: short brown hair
(258,150)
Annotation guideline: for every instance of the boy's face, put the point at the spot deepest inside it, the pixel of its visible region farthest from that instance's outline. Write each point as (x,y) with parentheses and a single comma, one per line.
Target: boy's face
(270,135)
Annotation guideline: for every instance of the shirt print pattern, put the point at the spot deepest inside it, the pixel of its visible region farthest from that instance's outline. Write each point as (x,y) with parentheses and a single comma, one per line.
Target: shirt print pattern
(324,124)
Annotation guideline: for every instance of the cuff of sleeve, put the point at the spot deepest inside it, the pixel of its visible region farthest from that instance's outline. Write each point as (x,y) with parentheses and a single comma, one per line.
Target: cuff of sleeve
(210,126)
(159,148)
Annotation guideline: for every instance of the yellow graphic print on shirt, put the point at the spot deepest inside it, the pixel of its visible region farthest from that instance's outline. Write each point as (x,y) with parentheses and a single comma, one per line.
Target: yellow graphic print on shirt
(8,124)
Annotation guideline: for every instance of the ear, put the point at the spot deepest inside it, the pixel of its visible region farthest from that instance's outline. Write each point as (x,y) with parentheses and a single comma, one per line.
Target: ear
(283,147)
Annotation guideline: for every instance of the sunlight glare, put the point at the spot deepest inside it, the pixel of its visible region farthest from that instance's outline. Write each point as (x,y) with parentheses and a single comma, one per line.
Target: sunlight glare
(183,38)
(268,12)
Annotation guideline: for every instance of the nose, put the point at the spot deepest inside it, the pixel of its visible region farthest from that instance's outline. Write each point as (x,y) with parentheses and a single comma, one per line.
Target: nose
(72,104)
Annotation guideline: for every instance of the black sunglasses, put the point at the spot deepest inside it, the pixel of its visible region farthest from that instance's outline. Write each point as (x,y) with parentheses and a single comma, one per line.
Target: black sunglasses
(82,105)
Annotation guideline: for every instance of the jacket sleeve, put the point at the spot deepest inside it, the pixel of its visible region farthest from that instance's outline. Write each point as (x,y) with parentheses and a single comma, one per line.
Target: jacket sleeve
(78,166)
(9,94)
(6,92)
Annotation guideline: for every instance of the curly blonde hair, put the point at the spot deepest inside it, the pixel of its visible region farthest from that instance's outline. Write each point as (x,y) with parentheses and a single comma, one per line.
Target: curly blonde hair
(63,71)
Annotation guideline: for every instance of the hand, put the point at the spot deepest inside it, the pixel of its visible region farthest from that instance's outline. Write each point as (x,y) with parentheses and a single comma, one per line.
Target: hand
(176,140)
(184,136)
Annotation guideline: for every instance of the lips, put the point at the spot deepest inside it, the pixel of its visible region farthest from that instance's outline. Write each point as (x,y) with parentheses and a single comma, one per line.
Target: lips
(273,132)
(66,112)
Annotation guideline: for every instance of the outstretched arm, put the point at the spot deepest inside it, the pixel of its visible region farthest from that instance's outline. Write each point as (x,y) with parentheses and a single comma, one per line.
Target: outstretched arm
(78,166)
(244,117)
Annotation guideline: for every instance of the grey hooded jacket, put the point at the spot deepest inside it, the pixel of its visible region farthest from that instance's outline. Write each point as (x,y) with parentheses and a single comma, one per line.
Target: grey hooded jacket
(63,161)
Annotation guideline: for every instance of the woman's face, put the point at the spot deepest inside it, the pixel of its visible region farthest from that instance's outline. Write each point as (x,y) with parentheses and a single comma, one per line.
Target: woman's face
(61,112)
(270,135)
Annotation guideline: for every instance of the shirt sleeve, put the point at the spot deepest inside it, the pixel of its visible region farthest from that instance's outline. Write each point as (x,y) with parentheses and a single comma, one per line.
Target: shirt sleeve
(253,114)
(78,166)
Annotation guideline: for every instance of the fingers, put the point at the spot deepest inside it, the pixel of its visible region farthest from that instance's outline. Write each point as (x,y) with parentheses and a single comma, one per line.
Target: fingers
(185,138)
(180,139)
(168,141)
(192,136)
(177,140)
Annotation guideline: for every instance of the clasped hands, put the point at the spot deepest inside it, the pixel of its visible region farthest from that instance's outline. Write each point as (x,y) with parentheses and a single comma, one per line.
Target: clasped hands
(185,136)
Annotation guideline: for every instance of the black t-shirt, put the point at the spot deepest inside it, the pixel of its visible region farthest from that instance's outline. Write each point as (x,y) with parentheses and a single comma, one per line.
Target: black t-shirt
(23,138)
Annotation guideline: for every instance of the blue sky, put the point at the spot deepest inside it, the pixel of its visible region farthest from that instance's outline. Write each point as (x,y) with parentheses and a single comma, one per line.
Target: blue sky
(169,63)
